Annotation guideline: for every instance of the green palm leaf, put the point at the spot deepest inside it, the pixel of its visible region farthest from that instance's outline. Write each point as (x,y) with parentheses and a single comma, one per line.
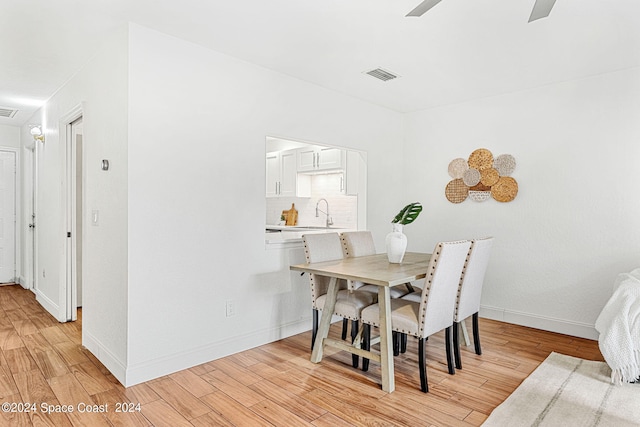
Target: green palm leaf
(408,214)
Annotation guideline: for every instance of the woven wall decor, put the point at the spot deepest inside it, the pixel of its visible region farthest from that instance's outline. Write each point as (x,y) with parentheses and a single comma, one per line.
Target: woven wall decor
(457,168)
(456,191)
(479,196)
(505,164)
(489,176)
(505,190)
(481,159)
(481,177)
(471,177)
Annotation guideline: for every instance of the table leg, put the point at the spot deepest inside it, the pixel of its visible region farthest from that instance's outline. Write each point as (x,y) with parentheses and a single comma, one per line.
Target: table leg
(465,334)
(325,320)
(386,345)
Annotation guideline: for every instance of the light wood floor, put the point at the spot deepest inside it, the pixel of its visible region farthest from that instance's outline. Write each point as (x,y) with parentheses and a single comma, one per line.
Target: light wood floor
(42,362)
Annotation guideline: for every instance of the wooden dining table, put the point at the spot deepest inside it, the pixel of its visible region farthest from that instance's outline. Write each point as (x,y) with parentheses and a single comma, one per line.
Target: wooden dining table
(375,270)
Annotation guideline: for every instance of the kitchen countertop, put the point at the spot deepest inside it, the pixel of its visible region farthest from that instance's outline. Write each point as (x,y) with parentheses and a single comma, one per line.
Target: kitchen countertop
(292,235)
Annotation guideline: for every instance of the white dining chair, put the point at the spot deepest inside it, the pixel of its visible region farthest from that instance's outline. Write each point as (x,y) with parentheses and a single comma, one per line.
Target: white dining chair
(360,243)
(469,292)
(349,304)
(433,313)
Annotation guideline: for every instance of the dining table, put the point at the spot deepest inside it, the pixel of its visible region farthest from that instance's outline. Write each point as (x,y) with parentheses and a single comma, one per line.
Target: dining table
(374,270)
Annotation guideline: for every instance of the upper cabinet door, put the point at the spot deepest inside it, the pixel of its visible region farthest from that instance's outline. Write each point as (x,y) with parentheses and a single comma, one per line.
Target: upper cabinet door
(288,174)
(282,176)
(273,174)
(330,158)
(307,159)
(316,158)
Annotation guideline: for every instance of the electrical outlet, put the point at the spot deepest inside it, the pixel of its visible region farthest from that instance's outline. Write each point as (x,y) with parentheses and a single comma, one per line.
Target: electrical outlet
(230,308)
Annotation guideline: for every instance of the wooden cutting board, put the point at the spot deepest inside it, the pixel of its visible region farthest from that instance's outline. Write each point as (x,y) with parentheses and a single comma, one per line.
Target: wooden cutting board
(291,216)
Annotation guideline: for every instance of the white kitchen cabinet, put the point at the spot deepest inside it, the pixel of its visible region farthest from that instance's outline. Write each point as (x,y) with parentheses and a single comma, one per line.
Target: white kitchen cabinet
(282,176)
(316,158)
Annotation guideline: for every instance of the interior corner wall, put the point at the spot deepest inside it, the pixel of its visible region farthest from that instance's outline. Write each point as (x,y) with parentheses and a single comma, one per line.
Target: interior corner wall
(574,223)
(100,89)
(198,121)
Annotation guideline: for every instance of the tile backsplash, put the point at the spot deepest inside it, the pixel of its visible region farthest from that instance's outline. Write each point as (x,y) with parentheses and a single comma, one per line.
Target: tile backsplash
(343,209)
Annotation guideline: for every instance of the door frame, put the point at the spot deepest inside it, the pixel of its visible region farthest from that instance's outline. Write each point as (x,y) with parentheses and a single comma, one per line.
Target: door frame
(29,277)
(68,286)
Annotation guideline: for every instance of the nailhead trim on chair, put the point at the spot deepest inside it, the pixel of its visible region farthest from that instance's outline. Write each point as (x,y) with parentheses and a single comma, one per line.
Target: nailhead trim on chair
(427,285)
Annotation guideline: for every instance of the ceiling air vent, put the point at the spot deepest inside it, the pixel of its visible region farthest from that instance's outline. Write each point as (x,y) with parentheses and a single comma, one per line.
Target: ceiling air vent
(381,74)
(7,112)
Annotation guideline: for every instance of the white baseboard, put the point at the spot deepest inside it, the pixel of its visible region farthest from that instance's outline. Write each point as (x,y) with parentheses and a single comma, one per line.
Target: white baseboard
(150,369)
(48,304)
(116,367)
(562,326)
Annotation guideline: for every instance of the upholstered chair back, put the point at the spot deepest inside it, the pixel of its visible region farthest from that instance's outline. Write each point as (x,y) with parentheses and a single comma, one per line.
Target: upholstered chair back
(441,286)
(470,286)
(358,243)
(318,248)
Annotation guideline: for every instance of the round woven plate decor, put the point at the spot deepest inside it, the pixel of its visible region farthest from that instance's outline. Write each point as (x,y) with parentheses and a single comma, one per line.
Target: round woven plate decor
(505,190)
(456,191)
(481,159)
(471,177)
(457,167)
(489,176)
(505,164)
(479,196)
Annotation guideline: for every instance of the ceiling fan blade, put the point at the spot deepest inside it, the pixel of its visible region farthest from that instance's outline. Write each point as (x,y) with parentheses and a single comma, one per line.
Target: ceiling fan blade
(423,7)
(541,9)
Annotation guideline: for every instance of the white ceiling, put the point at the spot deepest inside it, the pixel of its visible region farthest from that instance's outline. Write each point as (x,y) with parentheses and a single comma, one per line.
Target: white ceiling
(459,50)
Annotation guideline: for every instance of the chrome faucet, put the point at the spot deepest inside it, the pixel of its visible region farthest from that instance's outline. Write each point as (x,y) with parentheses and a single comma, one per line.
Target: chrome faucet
(329,220)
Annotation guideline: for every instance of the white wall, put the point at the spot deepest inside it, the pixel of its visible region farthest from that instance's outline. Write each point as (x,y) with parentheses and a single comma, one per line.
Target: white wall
(198,121)
(574,224)
(182,208)
(101,89)
(9,136)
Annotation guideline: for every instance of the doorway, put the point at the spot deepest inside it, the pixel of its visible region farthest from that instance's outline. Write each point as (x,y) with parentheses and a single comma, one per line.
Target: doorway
(75,173)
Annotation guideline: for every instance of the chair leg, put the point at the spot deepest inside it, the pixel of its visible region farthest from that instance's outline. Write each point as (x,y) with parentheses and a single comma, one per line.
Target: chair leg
(366,344)
(456,345)
(424,386)
(345,325)
(354,333)
(448,344)
(476,334)
(403,343)
(314,327)
(396,343)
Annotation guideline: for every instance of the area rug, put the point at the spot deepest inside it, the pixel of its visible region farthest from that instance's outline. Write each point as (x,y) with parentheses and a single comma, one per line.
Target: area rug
(567,391)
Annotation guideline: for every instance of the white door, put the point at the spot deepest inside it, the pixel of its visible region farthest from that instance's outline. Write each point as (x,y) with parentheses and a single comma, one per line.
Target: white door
(7,217)
(74,219)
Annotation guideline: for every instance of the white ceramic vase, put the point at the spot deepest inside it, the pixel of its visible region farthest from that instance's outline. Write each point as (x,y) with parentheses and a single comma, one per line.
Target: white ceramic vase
(396,243)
